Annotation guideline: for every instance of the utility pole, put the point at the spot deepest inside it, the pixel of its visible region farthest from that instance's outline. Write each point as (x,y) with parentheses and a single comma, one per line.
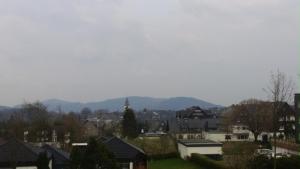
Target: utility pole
(274,133)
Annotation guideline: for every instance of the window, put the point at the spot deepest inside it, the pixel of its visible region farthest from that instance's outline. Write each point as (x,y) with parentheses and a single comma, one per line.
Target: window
(227,137)
(243,137)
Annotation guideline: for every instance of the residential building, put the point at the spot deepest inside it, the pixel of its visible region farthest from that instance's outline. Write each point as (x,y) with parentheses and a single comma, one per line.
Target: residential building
(60,159)
(17,154)
(90,129)
(287,121)
(127,155)
(194,112)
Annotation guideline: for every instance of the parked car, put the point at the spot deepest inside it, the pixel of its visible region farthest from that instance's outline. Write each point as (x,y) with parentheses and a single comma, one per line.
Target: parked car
(269,153)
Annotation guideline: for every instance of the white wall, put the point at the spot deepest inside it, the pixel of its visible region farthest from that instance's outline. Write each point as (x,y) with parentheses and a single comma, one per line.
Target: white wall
(205,150)
(27,167)
(218,137)
(182,151)
(131,165)
(185,151)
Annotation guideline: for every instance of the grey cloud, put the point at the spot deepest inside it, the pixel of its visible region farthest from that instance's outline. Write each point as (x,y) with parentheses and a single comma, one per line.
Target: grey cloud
(221,51)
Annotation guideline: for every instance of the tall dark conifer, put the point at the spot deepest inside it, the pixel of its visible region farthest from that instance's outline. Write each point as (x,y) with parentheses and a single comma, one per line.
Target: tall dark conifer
(129,123)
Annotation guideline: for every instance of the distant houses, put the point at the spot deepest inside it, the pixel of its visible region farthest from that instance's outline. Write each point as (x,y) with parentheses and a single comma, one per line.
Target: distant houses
(192,122)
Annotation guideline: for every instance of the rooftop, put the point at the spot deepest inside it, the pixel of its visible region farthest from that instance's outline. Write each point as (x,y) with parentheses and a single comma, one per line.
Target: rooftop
(199,143)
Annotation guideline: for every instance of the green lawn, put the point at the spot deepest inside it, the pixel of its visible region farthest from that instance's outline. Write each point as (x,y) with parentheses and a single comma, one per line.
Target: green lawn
(172,163)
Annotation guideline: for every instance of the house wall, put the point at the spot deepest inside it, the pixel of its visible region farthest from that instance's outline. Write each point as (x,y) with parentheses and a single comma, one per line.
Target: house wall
(27,167)
(185,151)
(131,165)
(218,137)
(205,150)
(182,151)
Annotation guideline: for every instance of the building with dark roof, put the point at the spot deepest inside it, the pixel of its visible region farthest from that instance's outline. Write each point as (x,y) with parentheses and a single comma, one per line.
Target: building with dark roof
(193,121)
(14,153)
(128,155)
(60,159)
(194,112)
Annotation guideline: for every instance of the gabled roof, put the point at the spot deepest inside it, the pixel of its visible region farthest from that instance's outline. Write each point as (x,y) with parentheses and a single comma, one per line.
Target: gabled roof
(59,156)
(122,149)
(15,150)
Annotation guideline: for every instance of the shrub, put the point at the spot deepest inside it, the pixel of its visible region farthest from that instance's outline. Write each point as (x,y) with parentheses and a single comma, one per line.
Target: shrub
(206,162)
(288,162)
(262,162)
(163,156)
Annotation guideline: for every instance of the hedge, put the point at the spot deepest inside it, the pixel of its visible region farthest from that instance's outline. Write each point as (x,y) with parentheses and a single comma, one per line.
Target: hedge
(263,162)
(163,156)
(206,162)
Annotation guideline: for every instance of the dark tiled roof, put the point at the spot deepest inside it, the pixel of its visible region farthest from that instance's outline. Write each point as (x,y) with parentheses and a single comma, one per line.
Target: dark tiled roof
(59,156)
(123,150)
(14,150)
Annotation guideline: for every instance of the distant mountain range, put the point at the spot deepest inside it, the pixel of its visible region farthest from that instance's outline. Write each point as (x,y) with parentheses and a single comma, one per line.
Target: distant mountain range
(136,102)
(2,108)
(117,104)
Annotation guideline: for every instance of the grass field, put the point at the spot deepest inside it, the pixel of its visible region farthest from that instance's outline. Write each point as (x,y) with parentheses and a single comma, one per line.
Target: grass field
(172,163)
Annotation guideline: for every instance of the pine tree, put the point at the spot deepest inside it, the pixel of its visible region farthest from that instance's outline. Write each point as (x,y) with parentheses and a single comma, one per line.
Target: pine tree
(129,124)
(43,161)
(167,127)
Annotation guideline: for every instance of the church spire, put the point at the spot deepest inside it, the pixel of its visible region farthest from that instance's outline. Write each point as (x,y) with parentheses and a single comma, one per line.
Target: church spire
(126,105)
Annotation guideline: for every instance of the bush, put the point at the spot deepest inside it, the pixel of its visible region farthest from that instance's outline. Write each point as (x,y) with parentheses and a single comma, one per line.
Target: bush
(289,162)
(206,162)
(237,154)
(163,156)
(215,157)
(262,162)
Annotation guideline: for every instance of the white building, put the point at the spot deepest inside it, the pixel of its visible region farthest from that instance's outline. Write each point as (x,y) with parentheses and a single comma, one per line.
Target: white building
(205,147)
(238,133)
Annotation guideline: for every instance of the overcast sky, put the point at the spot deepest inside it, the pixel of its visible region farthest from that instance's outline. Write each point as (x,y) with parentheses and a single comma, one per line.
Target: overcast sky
(90,50)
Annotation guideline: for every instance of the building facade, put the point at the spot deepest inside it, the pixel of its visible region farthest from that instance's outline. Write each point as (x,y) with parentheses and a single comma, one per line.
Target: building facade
(297,108)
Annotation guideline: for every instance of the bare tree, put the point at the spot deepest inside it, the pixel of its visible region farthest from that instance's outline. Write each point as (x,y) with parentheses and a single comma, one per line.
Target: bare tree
(280,90)
(252,113)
